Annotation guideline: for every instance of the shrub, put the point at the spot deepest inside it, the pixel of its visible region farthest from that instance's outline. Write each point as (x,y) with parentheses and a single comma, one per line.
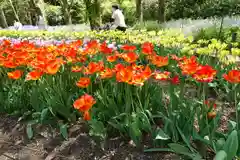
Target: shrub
(54,15)
(149,26)
(214,32)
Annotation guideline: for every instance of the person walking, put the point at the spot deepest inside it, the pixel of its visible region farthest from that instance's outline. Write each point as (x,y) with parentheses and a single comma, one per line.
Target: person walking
(119,19)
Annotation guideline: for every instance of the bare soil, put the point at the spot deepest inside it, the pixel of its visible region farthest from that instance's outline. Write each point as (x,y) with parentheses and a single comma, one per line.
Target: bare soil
(15,145)
(49,145)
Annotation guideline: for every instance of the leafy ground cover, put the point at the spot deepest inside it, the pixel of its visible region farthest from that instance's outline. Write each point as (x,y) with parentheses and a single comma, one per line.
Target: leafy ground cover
(170,94)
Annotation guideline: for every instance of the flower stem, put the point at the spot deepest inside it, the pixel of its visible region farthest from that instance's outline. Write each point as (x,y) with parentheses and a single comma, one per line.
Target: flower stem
(236,107)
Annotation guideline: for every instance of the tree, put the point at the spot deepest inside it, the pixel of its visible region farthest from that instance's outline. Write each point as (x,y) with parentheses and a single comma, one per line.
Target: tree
(139,10)
(41,6)
(161,9)
(66,7)
(3,18)
(34,12)
(93,12)
(14,10)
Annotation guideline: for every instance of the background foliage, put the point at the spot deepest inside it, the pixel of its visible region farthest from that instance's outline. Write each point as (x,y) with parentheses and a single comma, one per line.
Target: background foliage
(98,12)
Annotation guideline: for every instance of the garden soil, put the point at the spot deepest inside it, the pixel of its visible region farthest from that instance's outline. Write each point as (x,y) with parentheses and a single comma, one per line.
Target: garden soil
(47,145)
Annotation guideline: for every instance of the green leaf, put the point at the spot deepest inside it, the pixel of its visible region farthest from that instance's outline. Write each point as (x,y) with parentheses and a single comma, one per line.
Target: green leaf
(36,115)
(213,84)
(161,135)
(196,136)
(231,125)
(97,129)
(186,140)
(115,124)
(197,157)
(135,133)
(178,148)
(238,106)
(145,123)
(221,155)
(231,145)
(63,131)
(220,144)
(43,114)
(159,150)
(238,152)
(29,131)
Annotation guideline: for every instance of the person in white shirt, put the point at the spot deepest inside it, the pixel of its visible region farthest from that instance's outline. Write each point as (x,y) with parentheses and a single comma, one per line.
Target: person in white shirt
(17,25)
(41,23)
(119,19)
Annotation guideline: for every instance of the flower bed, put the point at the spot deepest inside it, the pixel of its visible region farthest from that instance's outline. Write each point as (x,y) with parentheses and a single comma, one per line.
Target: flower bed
(227,52)
(131,90)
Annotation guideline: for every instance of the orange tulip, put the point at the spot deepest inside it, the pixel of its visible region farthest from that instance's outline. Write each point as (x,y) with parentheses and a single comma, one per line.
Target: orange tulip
(15,74)
(91,68)
(112,58)
(189,69)
(205,74)
(159,61)
(100,66)
(84,103)
(124,75)
(76,68)
(83,82)
(211,115)
(104,48)
(233,76)
(127,47)
(81,59)
(138,80)
(147,73)
(86,116)
(189,66)
(53,68)
(130,57)
(137,67)
(176,58)
(147,48)
(162,75)
(108,73)
(34,75)
(118,67)
(9,64)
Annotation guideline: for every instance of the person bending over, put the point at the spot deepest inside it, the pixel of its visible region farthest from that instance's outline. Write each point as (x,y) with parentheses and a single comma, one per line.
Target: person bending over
(119,19)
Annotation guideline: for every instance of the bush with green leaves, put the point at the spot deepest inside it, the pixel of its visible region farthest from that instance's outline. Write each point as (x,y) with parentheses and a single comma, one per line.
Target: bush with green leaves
(148,25)
(224,34)
(54,15)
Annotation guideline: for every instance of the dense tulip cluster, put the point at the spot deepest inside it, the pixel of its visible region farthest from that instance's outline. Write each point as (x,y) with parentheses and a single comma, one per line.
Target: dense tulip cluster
(99,61)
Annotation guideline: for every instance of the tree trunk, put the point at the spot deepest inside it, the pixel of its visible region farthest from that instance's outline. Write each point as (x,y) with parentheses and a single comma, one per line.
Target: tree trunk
(3,18)
(67,11)
(42,9)
(30,18)
(161,9)
(14,10)
(88,13)
(97,7)
(93,13)
(139,10)
(34,11)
